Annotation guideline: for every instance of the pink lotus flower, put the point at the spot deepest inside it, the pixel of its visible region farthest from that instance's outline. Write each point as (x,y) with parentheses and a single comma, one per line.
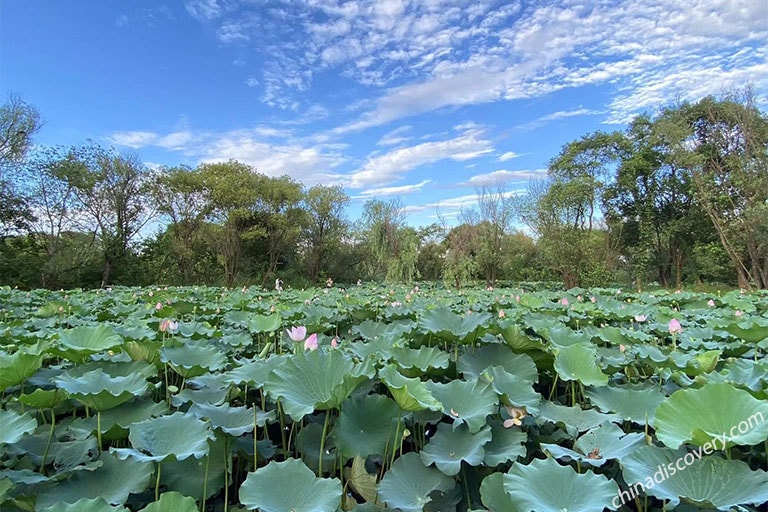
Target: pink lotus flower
(168,325)
(675,327)
(711,303)
(297,333)
(593,299)
(517,298)
(158,306)
(311,342)
(738,313)
(641,318)
(579,298)
(564,301)
(334,343)
(502,314)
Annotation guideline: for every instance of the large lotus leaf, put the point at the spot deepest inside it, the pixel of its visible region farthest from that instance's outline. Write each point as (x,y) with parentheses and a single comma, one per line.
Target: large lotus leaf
(192,476)
(193,360)
(145,350)
(742,372)
(575,419)
(115,421)
(563,337)
(546,486)
(450,446)
(447,325)
(507,444)
(516,338)
(235,421)
(410,394)
(115,368)
(197,392)
(366,425)
(716,413)
(514,391)
(599,445)
(14,426)
(493,495)
(254,372)
(408,484)
(114,480)
(709,481)
(466,402)
(179,436)
(101,391)
(289,485)
(415,362)
(308,446)
(84,340)
(370,330)
(43,398)
(174,501)
(315,380)
(17,367)
(475,362)
(269,323)
(634,403)
(752,330)
(579,362)
(85,505)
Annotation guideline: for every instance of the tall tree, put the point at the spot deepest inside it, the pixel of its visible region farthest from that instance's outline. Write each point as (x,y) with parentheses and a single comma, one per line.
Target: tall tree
(325,227)
(392,248)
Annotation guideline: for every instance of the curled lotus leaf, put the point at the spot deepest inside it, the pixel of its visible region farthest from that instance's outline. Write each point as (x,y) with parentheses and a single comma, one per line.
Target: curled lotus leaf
(179,436)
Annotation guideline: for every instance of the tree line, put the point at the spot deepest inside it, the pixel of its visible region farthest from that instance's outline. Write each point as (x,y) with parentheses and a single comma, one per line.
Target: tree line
(680,196)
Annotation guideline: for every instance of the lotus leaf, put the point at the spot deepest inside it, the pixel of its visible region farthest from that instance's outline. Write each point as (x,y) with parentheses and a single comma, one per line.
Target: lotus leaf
(366,425)
(450,446)
(113,481)
(315,380)
(707,480)
(546,486)
(289,485)
(85,505)
(506,445)
(192,477)
(599,445)
(418,361)
(718,413)
(17,367)
(513,390)
(408,484)
(579,362)
(14,426)
(465,402)
(448,326)
(473,362)
(234,421)
(99,390)
(410,394)
(177,436)
(634,403)
(575,419)
(493,495)
(174,501)
(82,341)
(193,360)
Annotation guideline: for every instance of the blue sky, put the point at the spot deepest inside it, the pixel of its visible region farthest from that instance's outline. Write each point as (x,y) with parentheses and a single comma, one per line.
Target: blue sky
(422,100)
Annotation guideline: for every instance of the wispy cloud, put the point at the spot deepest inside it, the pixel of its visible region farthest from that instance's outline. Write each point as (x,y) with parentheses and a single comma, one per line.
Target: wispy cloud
(391,191)
(509,155)
(395,136)
(388,167)
(503,176)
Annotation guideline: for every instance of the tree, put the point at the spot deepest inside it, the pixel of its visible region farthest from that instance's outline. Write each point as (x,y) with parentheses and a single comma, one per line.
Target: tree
(726,149)
(18,122)
(392,248)
(325,226)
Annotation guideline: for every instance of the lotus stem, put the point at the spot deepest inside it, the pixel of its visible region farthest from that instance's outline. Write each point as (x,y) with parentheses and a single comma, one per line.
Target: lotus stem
(226,473)
(50,437)
(554,387)
(322,444)
(573,393)
(157,480)
(255,441)
(98,429)
(282,425)
(265,350)
(205,482)
(397,435)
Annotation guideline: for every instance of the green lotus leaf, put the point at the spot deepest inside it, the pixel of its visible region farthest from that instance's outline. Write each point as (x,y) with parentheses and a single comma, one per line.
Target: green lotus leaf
(371,330)
(563,337)
(408,484)
(113,481)
(599,445)
(19,366)
(717,413)
(14,426)
(86,340)
(546,486)
(315,380)
(704,362)
(706,480)
(177,436)
(115,368)
(308,446)
(193,360)
(362,482)
(145,350)
(417,361)
(515,337)
(23,476)
(116,421)
(255,372)
(450,446)
(289,485)
(101,391)
(410,394)
(514,391)
(579,362)
(85,505)
(742,372)
(475,362)
(191,476)
(493,495)
(43,398)
(575,419)
(634,403)
(752,330)
(174,501)
(506,445)
(366,425)
(235,421)
(447,325)
(465,402)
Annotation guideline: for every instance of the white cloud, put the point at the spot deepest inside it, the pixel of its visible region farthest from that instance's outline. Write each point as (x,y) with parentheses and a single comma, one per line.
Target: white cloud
(391,191)
(252,81)
(394,137)
(133,139)
(504,176)
(509,155)
(452,206)
(203,9)
(388,167)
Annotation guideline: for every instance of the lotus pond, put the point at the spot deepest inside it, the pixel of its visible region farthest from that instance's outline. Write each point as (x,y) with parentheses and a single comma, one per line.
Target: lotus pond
(378,398)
